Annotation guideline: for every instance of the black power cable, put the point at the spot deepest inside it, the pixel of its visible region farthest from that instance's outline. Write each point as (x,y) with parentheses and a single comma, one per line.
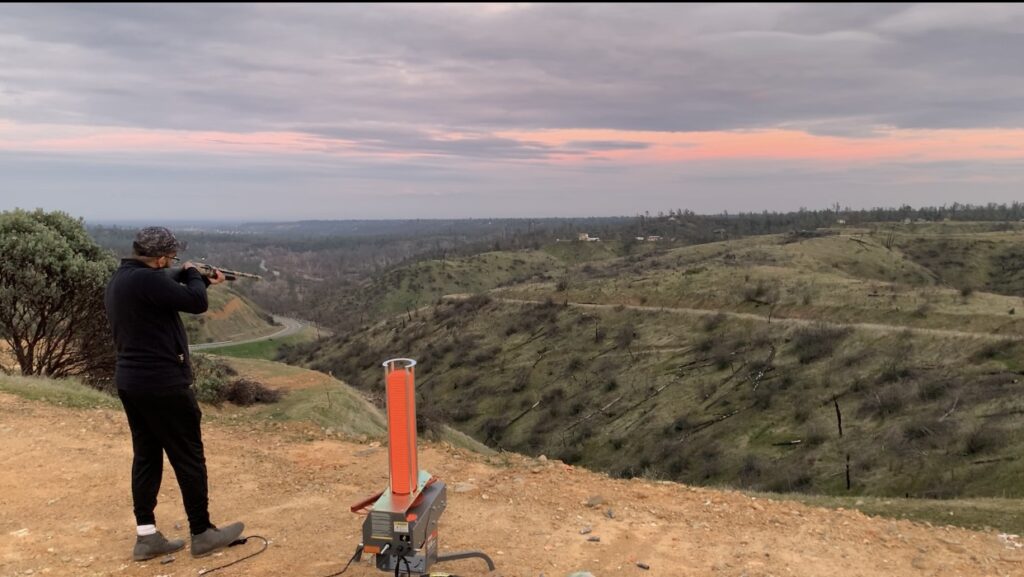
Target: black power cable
(237,542)
(359,551)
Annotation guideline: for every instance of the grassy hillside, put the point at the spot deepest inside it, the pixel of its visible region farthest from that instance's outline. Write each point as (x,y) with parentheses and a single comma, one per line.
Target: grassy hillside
(836,278)
(980,261)
(422,283)
(733,363)
(408,288)
(717,400)
(230,317)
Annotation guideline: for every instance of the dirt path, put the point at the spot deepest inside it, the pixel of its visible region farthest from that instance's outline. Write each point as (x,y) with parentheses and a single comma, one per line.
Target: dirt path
(779,320)
(65,509)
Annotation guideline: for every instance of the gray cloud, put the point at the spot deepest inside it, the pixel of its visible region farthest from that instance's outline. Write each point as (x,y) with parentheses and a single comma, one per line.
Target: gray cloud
(431,85)
(650,67)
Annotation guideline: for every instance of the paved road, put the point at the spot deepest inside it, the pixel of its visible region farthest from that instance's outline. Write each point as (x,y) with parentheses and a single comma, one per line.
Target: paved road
(291,326)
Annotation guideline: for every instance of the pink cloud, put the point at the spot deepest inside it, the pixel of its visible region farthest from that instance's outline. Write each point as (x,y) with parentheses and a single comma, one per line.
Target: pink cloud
(911,145)
(563,145)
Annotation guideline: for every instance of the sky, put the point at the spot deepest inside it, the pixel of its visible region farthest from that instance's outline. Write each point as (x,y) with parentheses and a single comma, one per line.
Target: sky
(337,111)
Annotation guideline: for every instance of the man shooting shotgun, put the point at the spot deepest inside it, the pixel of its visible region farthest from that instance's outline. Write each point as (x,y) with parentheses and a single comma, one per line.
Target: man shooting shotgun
(211,271)
(154,378)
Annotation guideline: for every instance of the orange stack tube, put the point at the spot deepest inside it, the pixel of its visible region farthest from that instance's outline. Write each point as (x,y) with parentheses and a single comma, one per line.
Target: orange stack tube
(404,469)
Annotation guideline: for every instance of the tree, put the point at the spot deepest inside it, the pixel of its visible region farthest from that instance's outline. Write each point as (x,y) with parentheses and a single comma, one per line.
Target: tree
(52,279)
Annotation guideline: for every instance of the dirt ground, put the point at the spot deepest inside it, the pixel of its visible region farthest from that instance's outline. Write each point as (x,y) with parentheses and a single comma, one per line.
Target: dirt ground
(65,509)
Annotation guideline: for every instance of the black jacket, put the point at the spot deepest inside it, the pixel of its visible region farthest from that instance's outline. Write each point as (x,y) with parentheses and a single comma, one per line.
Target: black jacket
(142,306)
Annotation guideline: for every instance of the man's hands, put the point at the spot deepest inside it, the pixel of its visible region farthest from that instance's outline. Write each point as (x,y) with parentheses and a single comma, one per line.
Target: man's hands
(217,278)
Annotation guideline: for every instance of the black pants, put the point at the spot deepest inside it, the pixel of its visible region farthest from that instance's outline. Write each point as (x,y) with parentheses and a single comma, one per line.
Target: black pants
(167,420)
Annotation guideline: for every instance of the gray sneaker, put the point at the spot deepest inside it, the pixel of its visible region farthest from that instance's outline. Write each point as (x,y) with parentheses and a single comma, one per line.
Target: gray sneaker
(155,545)
(213,539)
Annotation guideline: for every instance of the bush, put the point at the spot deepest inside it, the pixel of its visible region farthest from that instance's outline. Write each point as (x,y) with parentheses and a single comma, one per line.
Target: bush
(752,470)
(210,380)
(983,438)
(887,401)
(712,322)
(625,336)
(763,396)
(816,433)
(213,385)
(790,478)
(52,279)
(761,293)
(819,341)
(246,392)
(569,455)
(925,432)
(993,350)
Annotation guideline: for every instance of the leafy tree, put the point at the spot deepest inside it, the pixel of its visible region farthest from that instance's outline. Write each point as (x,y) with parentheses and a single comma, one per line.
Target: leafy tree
(52,280)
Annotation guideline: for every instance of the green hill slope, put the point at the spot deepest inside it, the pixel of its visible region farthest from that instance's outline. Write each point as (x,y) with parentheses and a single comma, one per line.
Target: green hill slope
(716,399)
(230,317)
(733,363)
(838,278)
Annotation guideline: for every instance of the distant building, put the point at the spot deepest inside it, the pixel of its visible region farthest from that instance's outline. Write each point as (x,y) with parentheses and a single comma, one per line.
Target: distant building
(653,238)
(840,221)
(587,238)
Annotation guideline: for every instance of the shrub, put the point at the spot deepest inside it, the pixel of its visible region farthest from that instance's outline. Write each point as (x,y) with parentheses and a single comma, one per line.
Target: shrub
(816,433)
(993,350)
(982,439)
(791,477)
(625,336)
(245,392)
(801,412)
(712,322)
(751,470)
(761,293)
(211,380)
(887,401)
(819,341)
(570,455)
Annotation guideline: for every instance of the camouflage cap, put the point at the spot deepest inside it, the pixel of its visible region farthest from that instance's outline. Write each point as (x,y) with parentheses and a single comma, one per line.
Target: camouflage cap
(156,241)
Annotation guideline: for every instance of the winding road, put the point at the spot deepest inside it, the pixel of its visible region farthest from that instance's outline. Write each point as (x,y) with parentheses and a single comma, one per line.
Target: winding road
(291,326)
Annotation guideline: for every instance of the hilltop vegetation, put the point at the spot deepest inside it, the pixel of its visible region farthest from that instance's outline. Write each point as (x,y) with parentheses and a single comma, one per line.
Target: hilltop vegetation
(328,271)
(737,362)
